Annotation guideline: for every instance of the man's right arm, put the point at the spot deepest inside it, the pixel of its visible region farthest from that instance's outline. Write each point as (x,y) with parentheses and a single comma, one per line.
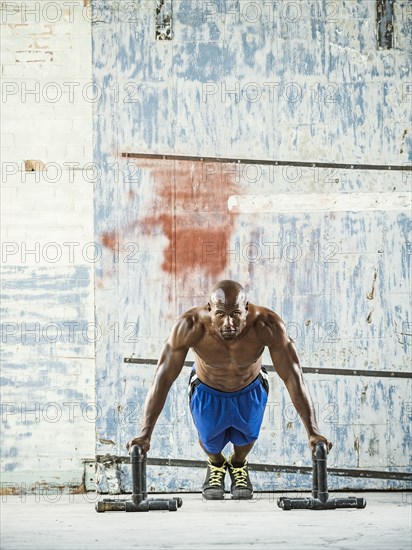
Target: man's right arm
(184,334)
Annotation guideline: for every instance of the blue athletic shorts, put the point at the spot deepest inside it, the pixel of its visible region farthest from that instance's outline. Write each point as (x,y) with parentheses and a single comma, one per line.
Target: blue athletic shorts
(221,417)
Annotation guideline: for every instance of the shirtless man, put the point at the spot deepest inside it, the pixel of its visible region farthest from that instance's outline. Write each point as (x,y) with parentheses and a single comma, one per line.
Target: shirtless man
(228,387)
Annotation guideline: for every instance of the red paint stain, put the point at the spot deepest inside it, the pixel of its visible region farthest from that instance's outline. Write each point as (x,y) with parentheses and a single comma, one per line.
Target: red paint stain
(191,208)
(189,205)
(109,240)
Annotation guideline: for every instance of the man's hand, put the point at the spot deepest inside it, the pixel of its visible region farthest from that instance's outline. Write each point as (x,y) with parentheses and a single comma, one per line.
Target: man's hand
(317,438)
(144,443)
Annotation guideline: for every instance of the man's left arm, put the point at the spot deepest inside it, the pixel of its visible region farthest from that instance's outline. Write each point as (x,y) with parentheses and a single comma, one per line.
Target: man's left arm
(286,362)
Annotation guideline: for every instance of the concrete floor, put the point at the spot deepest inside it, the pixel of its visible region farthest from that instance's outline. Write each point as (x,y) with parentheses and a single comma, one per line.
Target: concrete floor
(36,522)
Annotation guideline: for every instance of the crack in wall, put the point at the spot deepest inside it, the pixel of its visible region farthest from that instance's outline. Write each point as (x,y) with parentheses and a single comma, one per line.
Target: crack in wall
(370,294)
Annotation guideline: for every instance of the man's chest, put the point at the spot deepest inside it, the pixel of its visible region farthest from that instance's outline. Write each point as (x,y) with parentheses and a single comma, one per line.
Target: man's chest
(241,352)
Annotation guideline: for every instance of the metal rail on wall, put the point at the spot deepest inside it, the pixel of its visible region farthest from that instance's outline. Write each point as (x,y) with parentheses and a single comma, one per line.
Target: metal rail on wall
(313,370)
(277,468)
(407,167)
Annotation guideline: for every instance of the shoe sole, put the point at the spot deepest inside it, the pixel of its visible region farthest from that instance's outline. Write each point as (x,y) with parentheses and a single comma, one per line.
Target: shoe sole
(241,496)
(214,496)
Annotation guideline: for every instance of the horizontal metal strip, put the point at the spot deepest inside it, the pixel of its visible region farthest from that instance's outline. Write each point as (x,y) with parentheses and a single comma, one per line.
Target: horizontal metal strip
(348,166)
(270,368)
(342,472)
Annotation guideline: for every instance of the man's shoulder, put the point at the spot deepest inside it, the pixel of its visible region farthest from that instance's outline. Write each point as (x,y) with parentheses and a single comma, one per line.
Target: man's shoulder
(193,316)
(189,327)
(267,324)
(260,315)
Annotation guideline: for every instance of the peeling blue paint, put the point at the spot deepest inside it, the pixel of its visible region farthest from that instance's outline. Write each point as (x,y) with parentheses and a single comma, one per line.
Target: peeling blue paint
(197,61)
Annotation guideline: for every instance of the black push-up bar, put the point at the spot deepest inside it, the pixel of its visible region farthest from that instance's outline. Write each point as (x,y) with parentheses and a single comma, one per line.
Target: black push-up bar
(139,501)
(320,497)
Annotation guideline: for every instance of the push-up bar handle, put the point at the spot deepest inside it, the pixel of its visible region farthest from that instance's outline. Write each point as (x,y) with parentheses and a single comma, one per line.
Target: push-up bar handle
(320,461)
(138,460)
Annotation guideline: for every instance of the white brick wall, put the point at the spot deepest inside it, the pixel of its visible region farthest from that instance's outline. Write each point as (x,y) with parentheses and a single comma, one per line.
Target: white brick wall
(43,50)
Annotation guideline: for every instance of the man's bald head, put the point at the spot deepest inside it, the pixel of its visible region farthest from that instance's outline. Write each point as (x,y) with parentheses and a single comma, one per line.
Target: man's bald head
(228,309)
(228,293)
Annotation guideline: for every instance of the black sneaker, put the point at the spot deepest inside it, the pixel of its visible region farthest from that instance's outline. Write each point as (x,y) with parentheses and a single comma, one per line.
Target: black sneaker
(241,487)
(214,485)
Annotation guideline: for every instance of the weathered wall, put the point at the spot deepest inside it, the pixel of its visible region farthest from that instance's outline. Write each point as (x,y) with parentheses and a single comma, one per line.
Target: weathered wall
(328,249)
(48,363)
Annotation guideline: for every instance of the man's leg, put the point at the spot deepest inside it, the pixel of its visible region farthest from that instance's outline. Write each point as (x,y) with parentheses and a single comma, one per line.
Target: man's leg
(215,458)
(251,405)
(214,485)
(240,453)
(212,427)
(241,487)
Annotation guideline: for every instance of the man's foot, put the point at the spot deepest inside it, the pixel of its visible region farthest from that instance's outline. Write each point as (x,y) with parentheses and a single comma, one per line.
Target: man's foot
(214,485)
(241,487)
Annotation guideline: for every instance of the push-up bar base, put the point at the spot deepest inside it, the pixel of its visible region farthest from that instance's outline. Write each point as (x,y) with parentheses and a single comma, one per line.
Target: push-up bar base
(315,504)
(139,501)
(320,497)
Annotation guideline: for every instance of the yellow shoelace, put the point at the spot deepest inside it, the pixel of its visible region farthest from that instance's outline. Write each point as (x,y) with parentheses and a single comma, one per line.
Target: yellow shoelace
(240,475)
(216,474)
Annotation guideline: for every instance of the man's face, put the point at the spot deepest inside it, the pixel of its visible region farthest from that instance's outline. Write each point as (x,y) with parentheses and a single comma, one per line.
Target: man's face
(228,318)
